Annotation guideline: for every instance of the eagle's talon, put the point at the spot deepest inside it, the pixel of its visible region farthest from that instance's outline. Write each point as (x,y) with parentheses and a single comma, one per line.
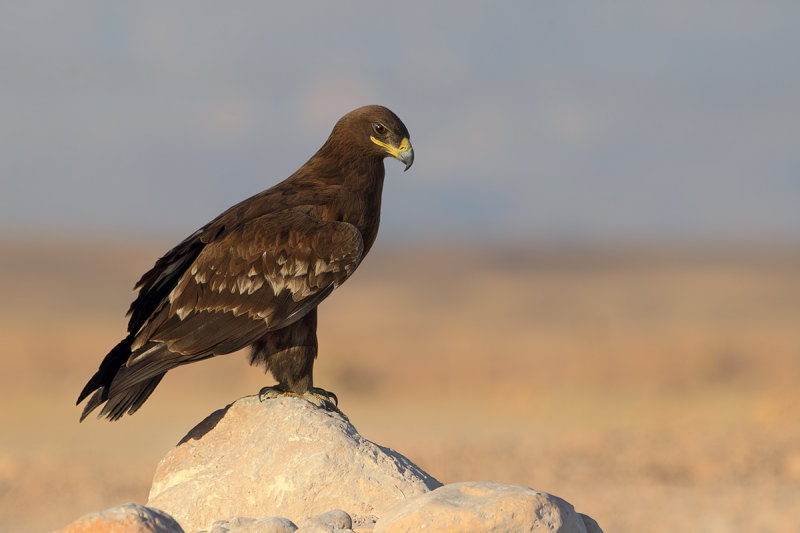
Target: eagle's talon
(316,396)
(330,398)
(269,393)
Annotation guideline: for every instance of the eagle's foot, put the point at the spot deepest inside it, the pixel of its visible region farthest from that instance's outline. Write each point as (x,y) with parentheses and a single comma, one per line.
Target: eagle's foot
(319,397)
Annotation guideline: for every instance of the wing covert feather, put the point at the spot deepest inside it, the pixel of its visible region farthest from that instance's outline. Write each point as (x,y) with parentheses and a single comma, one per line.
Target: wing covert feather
(259,277)
(267,266)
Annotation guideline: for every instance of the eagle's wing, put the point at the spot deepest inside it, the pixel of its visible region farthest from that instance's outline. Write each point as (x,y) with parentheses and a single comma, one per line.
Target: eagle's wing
(260,276)
(157,282)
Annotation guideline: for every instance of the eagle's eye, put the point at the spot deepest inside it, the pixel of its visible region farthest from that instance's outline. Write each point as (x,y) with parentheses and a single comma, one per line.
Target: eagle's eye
(379,128)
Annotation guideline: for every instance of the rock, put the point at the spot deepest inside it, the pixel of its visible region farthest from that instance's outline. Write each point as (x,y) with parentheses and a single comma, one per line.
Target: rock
(238,524)
(292,462)
(282,457)
(336,520)
(128,518)
(484,506)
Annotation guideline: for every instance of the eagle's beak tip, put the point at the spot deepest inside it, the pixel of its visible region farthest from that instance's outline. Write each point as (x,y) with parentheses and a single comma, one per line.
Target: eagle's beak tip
(407,157)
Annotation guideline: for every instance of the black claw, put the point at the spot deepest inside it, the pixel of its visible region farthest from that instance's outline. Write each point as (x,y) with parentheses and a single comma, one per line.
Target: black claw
(262,394)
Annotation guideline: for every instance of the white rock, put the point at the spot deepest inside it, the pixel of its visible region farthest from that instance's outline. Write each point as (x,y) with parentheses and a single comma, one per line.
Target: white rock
(336,520)
(484,506)
(239,524)
(282,457)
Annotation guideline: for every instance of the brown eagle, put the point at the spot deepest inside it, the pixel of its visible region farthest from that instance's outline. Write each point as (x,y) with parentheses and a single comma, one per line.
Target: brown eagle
(255,275)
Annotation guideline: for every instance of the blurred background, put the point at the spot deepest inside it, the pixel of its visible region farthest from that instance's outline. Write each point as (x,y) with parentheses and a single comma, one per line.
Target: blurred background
(588,283)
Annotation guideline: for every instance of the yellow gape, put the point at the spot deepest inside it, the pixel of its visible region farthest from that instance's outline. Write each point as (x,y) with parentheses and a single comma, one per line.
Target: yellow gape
(404,146)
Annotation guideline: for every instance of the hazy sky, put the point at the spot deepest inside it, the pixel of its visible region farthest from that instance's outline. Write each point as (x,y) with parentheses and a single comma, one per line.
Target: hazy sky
(557,121)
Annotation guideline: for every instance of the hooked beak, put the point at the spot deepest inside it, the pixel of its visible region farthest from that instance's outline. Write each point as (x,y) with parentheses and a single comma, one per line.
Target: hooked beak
(406,155)
(404,152)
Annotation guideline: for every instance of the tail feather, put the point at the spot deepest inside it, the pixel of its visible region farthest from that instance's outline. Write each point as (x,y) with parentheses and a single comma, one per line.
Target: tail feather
(111,364)
(96,399)
(128,399)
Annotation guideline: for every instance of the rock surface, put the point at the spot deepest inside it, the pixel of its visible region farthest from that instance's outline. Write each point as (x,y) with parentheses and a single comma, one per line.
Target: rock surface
(282,457)
(337,520)
(273,524)
(487,507)
(128,518)
(292,462)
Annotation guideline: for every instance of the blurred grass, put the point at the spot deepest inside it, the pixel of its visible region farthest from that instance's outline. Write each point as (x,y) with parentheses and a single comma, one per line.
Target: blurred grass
(627,380)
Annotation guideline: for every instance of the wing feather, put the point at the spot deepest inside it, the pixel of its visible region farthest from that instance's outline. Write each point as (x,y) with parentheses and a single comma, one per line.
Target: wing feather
(259,277)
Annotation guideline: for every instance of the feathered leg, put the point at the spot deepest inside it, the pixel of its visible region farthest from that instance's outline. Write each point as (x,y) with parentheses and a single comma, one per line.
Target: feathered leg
(289,354)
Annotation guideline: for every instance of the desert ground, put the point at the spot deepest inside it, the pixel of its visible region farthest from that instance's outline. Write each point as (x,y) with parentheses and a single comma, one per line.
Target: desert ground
(655,388)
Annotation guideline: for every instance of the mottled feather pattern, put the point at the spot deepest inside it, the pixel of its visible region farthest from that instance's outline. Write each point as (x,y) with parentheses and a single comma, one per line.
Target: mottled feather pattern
(156,283)
(252,280)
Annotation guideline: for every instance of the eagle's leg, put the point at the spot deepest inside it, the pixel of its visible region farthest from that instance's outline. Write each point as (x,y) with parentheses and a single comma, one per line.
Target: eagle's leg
(289,355)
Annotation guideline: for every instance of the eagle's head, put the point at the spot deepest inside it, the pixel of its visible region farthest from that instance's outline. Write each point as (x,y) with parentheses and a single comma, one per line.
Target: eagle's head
(375,130)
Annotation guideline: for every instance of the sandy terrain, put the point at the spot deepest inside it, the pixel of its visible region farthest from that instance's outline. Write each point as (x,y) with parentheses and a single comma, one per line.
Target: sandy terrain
(655,390)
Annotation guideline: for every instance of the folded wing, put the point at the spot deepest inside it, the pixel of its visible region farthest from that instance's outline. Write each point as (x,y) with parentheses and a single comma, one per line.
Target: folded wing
(261,276)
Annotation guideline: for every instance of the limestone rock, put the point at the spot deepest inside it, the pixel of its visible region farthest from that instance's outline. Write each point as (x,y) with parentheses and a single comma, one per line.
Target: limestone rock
(282,457)
(128,518)
(238,524)
(484,506)
(336,520)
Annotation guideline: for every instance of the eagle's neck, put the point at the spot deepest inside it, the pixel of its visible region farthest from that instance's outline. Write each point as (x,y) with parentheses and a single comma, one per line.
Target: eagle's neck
(360,203)
(345,189)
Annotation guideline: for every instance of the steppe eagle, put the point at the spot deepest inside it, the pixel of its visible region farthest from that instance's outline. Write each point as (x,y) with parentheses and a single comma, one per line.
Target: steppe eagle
(255,275)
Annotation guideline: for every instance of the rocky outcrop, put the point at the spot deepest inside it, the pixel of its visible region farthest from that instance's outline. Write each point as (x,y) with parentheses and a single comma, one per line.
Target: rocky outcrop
(283,457)
(308,470)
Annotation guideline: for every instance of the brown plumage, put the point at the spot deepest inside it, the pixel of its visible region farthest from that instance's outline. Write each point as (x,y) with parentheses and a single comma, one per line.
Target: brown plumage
(255,275)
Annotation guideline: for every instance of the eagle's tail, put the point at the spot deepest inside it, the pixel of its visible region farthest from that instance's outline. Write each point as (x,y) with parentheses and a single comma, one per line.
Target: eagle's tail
(100,383)
(126,402)
(108,369)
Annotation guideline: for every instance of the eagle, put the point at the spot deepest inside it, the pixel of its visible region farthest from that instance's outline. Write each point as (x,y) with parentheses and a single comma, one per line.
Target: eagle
(254,276)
